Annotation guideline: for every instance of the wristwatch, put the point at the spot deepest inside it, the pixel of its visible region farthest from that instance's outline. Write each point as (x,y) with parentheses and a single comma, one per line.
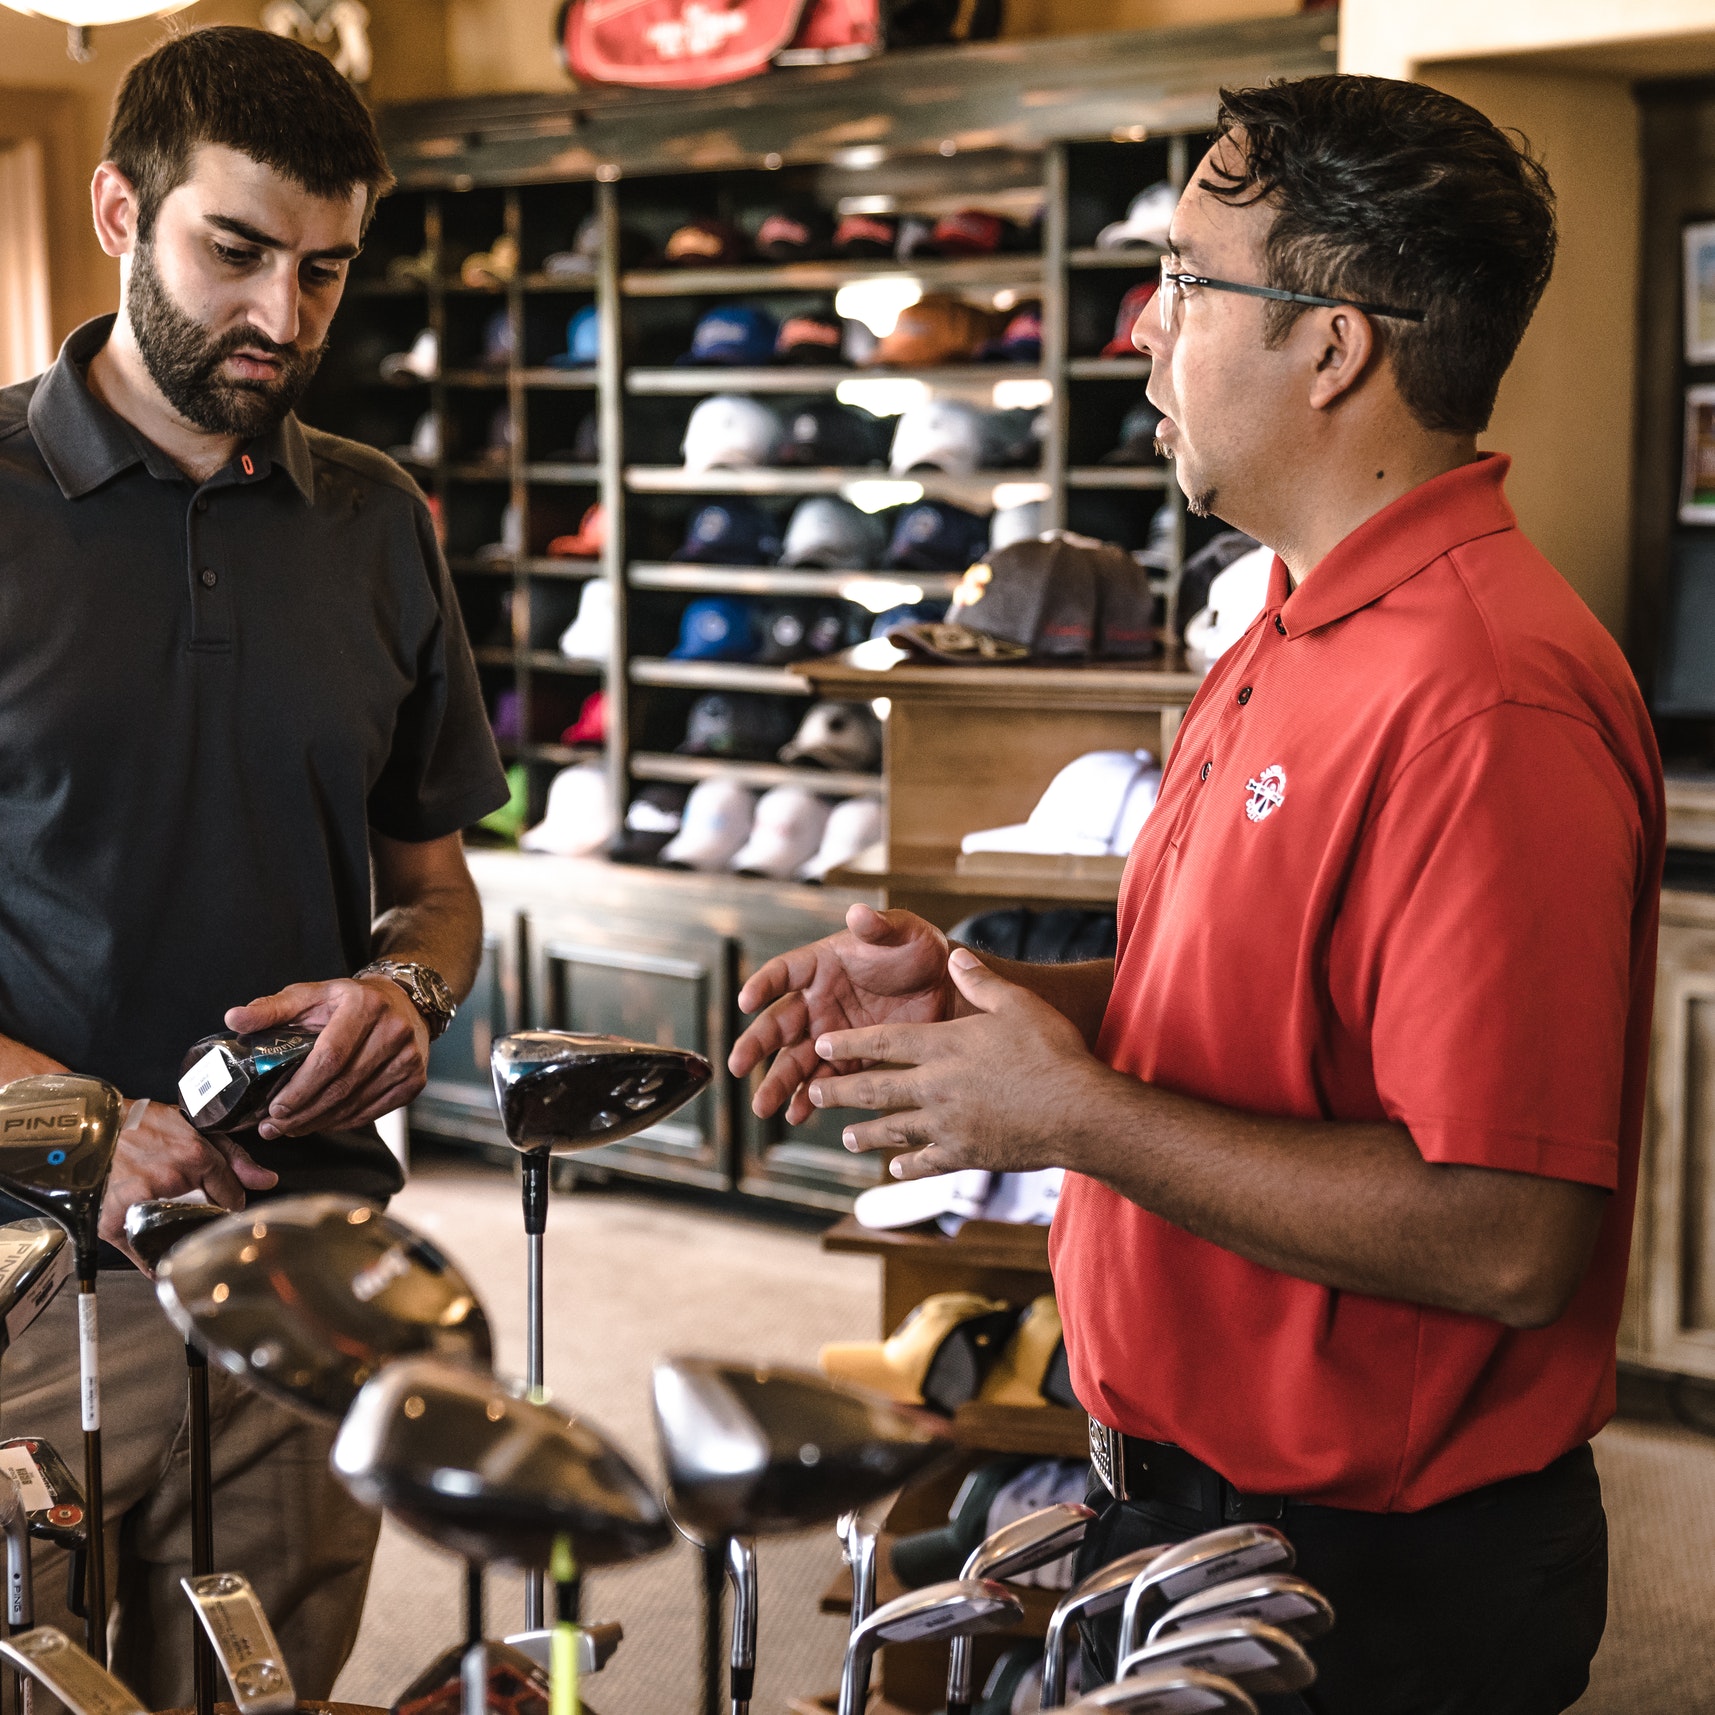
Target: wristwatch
(426,988)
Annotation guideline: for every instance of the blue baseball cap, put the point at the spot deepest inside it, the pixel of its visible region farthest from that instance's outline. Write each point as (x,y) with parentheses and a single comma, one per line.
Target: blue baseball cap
(935,537)
(913,613)
(583,341)
(716,628)
(731,533)
(734,334)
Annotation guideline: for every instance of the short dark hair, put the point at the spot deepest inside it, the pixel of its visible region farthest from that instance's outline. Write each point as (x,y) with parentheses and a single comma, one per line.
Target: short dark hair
(1395,193)
(268,97)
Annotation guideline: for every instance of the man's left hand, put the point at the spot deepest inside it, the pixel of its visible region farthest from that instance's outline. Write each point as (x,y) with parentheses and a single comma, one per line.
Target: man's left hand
(372,1054)
(1003,1090)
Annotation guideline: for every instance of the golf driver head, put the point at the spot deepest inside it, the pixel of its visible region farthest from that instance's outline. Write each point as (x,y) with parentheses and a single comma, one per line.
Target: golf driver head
(153,1228)
(1184,1568)
(1167,1691)
(1259,1657)
(758,1451)
(58,1131)
(959,1607)
(1299,1609)
(560,1092)
(307,1297)
(35,1262)
(462,1460)
(227,1080)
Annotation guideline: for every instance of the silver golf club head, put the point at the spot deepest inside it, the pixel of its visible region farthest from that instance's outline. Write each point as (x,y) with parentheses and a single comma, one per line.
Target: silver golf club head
(596,1644)
(57,1136)
(153,1228)
(756,1451)
(35,1262)
(50,1658)
(227,1080)
(462,1460)
(1259,1657)
(741,1659)
(1299,1609)
(20,1585)
(960,1607)
(859,1536)
(1215,1557)
(306,1298)
(1021,1546)
(1100,1593)
(1167,1691)
(231,1614)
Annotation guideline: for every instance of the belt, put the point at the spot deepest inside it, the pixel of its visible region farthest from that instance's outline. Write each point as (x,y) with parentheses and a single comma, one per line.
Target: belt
(1134,1470)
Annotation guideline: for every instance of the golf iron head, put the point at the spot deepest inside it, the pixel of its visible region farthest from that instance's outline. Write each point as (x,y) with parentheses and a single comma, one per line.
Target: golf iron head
(1167,1691)
(1103,1591)
(1258,1657)
(596,1644)
(35,1262)
(58,1132)
(560,1092)
(1184,1568)
(1299,1609)
(462,1460)
(960,1607)
(227,1080)
(153,1228)
(755,1451)
(306,1298)
(50,1658)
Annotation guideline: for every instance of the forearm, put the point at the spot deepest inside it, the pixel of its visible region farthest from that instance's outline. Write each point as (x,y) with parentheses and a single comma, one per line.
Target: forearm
(1078,992)
(18,1060)
(440,927)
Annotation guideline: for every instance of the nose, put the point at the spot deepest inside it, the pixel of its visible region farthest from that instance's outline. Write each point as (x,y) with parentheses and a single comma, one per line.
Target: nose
(1147,333)
(277,309)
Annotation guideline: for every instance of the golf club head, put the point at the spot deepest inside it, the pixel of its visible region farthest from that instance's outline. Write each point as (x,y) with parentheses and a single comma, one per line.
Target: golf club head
(243,1642)
(153,1228)
(1167,1691)
(757,1451)
(596,1644)
(1029,1542)
(227,1080)
(517,1682)
(1215,1557)
(57,1135)
(52,1495)
(50,1658)
(1100,1593)
(959,1607)
(35,1262)
(741,1658)
(560,1092)
(1256,1656)
(462,1460)
(1299,1609)
(20,1582)
(859,1539)
(307,1297)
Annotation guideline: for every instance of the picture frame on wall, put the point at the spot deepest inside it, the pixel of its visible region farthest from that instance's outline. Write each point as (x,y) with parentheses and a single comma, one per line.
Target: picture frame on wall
(1700,292)
(1697,480)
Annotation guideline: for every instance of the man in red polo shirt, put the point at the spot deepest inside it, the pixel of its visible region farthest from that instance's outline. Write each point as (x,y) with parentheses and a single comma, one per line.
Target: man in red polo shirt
(1352,1121)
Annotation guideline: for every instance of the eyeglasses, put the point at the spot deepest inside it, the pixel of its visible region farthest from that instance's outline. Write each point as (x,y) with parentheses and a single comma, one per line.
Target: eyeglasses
(1172,295)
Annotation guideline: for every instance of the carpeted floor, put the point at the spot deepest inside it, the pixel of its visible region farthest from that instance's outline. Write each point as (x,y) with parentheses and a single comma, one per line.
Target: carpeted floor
(633,1277)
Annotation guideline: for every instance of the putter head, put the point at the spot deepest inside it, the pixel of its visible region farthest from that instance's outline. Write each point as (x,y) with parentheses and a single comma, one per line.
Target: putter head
(227,1080)
(35,1262)
(758,1451)
(307,1297)
(50,1658)
(57,1136)
(1029,1542)
(1259,1657)
(1184,1568)
(1166,1691)
(1299,1609)
(52,1495)
(153,1228)
(462,1460)
(560,1091)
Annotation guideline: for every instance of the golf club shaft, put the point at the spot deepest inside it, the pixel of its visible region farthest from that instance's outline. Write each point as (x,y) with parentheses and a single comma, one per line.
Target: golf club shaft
(714,1583)
(535,1188)
(89,1371)
(202,1520)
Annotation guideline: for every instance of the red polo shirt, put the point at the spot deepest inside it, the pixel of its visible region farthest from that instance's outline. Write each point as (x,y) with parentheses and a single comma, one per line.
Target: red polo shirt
(1405,866)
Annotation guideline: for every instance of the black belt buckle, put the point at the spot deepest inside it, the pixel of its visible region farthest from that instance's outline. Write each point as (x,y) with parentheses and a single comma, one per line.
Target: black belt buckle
(1107,1458)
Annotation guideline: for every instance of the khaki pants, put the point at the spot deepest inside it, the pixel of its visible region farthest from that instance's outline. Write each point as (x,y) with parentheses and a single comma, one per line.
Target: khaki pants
(280,1518)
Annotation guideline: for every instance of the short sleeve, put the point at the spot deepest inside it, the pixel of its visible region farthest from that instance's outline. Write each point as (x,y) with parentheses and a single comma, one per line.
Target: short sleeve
(443,772)
(1489,940)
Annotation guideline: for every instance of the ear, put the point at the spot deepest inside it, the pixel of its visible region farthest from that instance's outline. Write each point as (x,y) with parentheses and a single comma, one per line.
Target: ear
(1344,352)
(113,200)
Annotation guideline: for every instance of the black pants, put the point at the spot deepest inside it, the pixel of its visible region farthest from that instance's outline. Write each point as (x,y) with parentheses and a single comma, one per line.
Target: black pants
(1492,1603)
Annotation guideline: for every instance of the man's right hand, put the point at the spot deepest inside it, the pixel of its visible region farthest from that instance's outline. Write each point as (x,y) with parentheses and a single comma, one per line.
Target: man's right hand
(884,965)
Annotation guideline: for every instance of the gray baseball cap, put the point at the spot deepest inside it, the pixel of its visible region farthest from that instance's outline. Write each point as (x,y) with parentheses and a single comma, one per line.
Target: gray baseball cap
(834,535)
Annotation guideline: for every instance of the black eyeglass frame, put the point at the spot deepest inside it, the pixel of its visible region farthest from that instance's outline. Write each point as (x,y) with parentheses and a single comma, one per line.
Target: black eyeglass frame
(1277,295)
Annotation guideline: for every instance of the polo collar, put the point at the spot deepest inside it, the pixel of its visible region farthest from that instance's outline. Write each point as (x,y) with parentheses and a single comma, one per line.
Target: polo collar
(1397,543)
(84,444)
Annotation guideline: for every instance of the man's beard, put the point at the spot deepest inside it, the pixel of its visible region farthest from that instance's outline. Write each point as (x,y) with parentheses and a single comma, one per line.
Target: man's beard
(185,361)
(1200,504)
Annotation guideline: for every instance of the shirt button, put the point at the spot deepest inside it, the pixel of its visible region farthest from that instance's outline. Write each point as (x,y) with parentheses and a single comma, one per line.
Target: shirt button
(202,503)
(1280,625)
(209,578)
(1245,695)
(1208,769)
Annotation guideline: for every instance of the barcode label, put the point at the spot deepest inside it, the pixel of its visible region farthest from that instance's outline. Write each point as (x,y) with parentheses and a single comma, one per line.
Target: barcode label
(205,1080)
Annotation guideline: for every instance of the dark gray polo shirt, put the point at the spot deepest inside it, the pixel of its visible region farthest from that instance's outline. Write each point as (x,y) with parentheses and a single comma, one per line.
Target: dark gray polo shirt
(208,697)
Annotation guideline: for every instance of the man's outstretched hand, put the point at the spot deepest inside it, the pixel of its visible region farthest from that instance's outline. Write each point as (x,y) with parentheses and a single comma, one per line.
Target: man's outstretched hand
(883,967)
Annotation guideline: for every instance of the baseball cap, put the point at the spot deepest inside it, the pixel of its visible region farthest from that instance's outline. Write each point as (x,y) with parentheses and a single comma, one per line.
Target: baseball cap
(578,263)
(510,541)
(590,636)
(1020,341)
(494,266)
(790,822)
(587,542)
(942,434)
(500,435)
(938,328)
(834,535)
(938,1356)
(1094,807)
(911,613)
(922,1557)
(969,232)
(844,736)
(1017,523)
(577,818)
(716,822)
(1132,306)
(740,726)
(704,244)
(730,533)
(935,536)
(586,439)
(507,721)
(1137,436)
(1146,221)
(421,363)
(916,238)
(716,628)
(498,342)
(854,825)
(823,433)
(794,235)
(809,339)
(1013,439)
(733,334)
(591,725)
(1236,597)
(796,631)
(730,432)
(509,819)
(653,817)
(866,235)
(583,341)
(425,447)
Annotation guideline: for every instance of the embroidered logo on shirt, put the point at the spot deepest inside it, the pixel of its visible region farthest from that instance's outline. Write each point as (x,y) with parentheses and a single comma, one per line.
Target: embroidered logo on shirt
(1265,794)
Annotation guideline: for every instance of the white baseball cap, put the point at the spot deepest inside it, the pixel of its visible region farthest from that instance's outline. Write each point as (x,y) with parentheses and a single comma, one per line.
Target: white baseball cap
(590,636)
(716,823)
(421,363)
(1236,597)
(790,822)
(1146,221)
(730,432)
(579,816)
(944,434)
(854,825)
(1093,807)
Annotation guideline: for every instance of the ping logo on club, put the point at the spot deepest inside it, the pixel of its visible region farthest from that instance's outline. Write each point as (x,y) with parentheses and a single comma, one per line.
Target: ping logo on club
(33,1125)
(380,1274)
(1266,793)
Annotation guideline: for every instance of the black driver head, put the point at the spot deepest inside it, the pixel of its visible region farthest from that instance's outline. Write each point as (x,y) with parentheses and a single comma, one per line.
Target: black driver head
(153,1228)
(306,1298)
(227,1080)
(58,1131)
